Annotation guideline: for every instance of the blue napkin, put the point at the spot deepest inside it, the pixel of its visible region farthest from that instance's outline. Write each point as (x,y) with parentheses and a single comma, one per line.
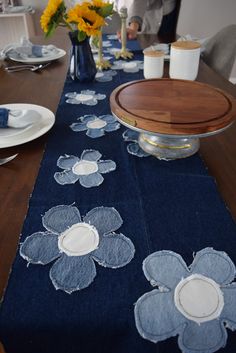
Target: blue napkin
(18,118)
(25,49)
(3,117)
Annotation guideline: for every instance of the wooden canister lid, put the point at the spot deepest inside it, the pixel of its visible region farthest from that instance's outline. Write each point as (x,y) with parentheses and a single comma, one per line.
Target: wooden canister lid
(175,107)
(185,45)
(153,53)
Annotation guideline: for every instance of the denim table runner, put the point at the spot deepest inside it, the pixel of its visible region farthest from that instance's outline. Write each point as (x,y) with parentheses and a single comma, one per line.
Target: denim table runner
(164,206)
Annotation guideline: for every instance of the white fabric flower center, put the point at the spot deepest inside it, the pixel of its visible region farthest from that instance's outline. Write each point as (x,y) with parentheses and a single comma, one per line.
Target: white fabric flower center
(78,240)
(84,167)
(96,124)
(130,65)
(199,298)
(84,97)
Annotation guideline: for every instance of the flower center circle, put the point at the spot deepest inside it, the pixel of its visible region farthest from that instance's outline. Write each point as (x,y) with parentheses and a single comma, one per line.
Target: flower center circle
(129,65)
(84,167)
(78,240)
(96,124)
(84,97)
(199,298)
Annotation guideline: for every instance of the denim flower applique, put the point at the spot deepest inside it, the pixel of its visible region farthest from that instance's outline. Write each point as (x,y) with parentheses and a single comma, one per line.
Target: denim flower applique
(86,97)
(87,169)
(105,76)
(77,244)
(195,303)
(130,66)
(96,126)
(134,148)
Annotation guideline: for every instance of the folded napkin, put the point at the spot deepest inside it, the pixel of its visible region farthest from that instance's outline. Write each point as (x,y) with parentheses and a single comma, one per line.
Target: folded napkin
(26,50)
(19,9)
(18,118)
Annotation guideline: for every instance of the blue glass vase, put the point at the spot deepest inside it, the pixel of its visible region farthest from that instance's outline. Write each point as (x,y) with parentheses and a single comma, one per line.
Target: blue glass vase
(82,64)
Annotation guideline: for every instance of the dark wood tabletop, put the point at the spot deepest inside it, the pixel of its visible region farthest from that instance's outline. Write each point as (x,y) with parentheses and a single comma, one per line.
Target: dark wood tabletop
(17,178)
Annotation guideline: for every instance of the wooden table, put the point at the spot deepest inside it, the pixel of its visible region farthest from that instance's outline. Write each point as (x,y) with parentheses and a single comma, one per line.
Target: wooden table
(18,177)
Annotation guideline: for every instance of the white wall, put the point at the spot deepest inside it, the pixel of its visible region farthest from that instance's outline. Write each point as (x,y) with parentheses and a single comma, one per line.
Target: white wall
(203,18)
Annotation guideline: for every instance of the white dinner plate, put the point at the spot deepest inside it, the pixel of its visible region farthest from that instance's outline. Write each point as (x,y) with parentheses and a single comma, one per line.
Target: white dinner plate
(40,60)
(30,132)
(10,132)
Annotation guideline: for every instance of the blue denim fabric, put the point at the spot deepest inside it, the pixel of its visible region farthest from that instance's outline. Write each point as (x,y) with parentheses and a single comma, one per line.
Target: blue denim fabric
(91,180)
(37,50)
(75,99)
(164,205)
(134,148)
(107,76)
(111,125)
(158,318)
(71,273)
(3,117)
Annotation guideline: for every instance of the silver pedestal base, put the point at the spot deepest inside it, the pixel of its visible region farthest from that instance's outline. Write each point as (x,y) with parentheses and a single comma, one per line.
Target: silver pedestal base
(168,148)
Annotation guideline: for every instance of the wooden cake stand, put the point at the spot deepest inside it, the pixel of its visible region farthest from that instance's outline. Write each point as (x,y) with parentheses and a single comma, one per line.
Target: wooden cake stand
(171,115)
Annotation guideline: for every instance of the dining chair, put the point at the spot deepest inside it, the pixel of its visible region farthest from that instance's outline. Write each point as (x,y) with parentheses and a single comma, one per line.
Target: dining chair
(219,51)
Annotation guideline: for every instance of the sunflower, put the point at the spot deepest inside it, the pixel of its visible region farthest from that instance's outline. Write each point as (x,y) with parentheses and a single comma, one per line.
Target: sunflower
(52,15)
(87,20)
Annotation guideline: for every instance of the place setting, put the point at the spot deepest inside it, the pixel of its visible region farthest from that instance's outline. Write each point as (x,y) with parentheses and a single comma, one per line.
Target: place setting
(21,123)
(30,56)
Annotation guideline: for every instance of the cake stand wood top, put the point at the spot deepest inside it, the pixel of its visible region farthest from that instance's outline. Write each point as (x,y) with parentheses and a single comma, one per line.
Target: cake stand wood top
(175,107)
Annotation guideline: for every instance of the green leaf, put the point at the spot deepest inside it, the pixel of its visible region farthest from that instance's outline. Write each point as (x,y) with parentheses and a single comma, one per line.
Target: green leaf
(81,36)
(51,29)
(106,10)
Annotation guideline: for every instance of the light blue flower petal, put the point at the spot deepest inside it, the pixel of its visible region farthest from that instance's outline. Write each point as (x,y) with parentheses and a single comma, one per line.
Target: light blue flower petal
(214,264)
(114,251)
(78,127)
(136,150)
(91,155)
(104,219)
(156,317)
(228,313)
(40,248)
(112,126)
(130,135)
(88,92)
(66,177)
(86,118)
(165,268)
(208,337)
(73,101)
(71,94)
(112,73)
(95,133)
(60,218)
(67,162)
(106,166)
(91,180)
(104,78)
(108,118)
(71,273)
(100,96)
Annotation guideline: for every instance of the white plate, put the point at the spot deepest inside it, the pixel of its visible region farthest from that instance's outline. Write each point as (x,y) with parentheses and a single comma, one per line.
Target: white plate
(9,132)
(31,132)
(41,60)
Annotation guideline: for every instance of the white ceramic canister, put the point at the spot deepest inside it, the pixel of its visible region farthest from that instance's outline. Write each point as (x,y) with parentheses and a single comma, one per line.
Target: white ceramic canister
(184,60)
(153,63)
